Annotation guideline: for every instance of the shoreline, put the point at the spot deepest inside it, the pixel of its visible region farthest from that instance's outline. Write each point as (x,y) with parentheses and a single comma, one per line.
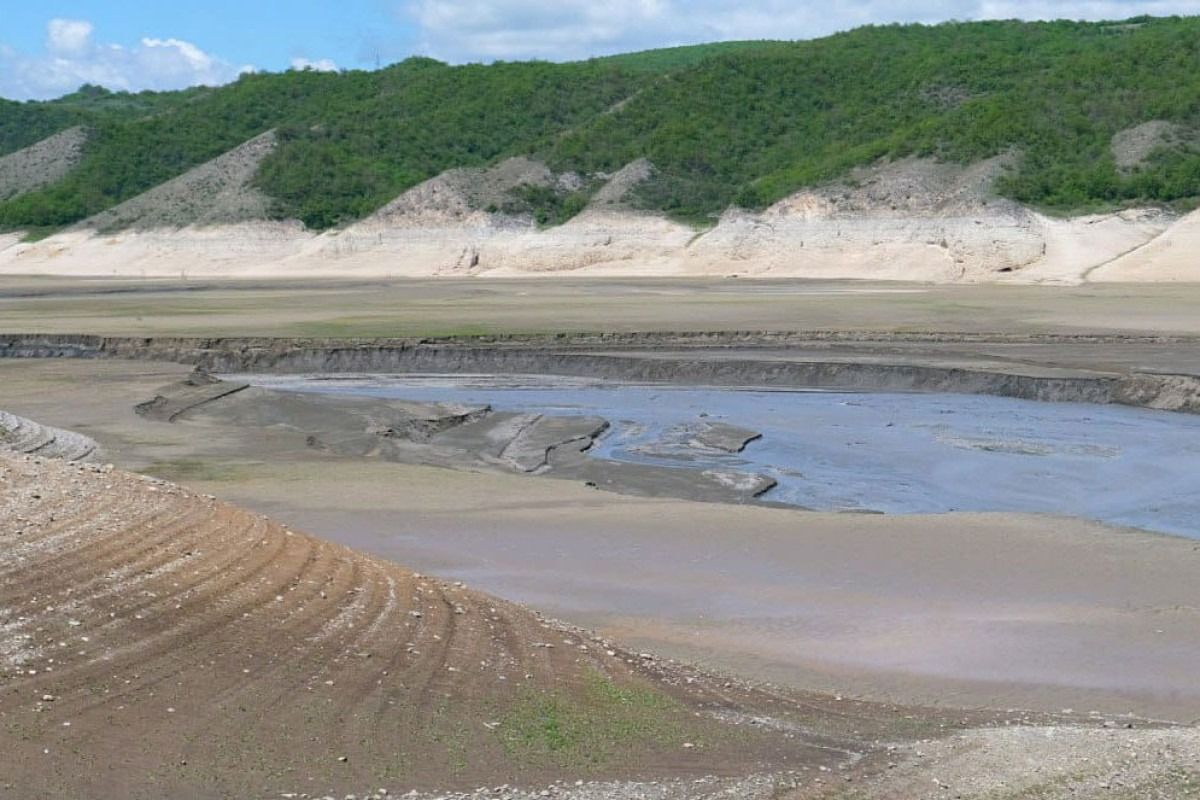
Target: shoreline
(799,360)
(1060,590)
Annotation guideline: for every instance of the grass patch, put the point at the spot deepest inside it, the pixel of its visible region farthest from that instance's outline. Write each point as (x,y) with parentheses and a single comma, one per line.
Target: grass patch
(603,724)
(38,233)
(191,469)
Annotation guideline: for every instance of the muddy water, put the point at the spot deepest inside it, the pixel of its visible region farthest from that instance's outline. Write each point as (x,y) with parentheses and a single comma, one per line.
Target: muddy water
(891,453)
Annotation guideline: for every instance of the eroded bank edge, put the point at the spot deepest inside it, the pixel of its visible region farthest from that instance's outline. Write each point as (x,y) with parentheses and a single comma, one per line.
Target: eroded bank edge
(685,359)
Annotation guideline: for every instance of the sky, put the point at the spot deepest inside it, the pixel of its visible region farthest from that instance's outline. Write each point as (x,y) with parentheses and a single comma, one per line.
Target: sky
(51,47)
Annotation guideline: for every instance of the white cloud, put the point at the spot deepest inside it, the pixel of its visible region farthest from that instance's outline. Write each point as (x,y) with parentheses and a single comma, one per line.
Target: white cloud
(473,30)
(68,36)
(320,65)
(73,57)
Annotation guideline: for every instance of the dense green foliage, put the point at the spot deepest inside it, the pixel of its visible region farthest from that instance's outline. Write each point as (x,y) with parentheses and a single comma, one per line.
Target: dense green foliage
(129,153)
(23,124)
(750,128)
(420,118)
(738,122)
(674,58)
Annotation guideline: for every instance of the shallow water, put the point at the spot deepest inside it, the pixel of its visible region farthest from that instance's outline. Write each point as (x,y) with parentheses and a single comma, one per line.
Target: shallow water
(893,453)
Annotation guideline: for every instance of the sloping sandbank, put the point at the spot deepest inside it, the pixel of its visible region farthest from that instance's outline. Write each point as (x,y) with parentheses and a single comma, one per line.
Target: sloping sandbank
(1152,372)
(173,643)
(966,610)
(156,641)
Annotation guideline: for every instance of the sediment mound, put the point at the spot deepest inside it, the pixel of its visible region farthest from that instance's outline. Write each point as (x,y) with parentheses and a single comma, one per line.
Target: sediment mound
(154,642)
(449,435)
(41,164)
(21,435)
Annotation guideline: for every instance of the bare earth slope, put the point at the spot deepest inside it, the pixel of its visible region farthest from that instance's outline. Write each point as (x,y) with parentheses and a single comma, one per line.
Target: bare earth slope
(449,225)
(216,192)
(911,219)
(210,219)
(41,164)
(1169,258)
(154,642)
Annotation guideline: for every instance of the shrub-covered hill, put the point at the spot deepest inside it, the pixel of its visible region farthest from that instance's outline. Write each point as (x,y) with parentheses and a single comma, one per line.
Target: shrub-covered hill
(741,123)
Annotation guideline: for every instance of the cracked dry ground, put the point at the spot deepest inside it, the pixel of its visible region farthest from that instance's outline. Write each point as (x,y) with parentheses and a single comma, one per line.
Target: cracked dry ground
(155,642)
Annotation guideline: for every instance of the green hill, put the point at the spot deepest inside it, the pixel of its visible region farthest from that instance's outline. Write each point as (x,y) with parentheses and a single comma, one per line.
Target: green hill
(741,123)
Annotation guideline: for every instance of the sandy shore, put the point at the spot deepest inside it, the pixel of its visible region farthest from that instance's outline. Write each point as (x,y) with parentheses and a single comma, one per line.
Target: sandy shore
(959,610)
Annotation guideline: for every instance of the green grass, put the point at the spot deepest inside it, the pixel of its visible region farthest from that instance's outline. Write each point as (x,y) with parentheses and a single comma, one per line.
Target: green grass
(185,469)
(36,234)
(594,729)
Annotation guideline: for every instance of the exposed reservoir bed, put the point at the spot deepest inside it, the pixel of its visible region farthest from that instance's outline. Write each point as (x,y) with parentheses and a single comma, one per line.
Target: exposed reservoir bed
(869,452)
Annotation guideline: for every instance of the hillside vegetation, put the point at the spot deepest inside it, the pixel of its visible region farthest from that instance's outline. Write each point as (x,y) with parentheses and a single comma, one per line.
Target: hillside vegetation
(743,123)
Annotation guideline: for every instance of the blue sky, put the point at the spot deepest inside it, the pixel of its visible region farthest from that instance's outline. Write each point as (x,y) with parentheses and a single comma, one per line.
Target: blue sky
(50,47)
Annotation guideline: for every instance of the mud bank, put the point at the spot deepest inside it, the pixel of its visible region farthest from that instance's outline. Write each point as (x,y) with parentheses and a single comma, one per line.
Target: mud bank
(718,359)
(26,436)
(469,436)
(966,610)
(207,641)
